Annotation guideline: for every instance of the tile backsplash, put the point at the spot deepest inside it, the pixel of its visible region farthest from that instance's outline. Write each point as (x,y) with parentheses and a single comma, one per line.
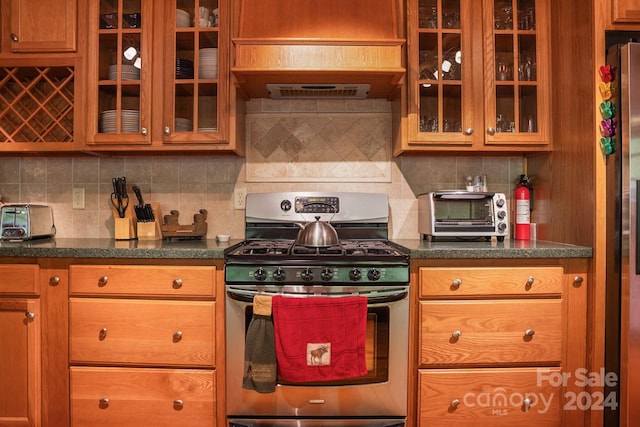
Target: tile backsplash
(360,162)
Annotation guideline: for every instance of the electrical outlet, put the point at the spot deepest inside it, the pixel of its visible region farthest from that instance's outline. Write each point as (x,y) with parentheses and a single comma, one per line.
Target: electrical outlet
(77,198)
(239,196)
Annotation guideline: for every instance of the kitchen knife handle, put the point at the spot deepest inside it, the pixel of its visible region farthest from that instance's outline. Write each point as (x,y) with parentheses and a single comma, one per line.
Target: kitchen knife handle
(138,193)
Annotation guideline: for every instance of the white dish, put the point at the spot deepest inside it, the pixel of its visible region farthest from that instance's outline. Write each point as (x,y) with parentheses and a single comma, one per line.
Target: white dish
(223,237)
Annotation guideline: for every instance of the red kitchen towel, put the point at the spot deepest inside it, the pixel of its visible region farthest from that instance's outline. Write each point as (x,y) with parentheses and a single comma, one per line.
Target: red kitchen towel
(320,338)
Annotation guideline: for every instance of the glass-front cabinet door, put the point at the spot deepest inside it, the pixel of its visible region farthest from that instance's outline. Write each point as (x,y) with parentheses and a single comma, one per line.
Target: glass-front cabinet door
(195,51)
(516,96)
(119,91)
(478,83)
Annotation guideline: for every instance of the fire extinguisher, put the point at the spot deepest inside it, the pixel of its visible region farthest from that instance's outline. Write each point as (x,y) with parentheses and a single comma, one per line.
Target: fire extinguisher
(522,198)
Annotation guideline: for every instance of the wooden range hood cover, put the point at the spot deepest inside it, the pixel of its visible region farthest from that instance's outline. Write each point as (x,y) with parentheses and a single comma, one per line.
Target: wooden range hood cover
(314,42)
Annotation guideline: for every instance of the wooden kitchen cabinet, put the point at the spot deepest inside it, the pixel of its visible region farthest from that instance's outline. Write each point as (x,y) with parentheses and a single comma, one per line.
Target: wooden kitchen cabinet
(625,11)
(143,330)
(490,337)
(33,26)
(20,360)
(158,80)
(478,76)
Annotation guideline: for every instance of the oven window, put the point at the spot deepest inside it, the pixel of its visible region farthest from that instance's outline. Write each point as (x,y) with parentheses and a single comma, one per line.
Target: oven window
(377,349)
(464,210)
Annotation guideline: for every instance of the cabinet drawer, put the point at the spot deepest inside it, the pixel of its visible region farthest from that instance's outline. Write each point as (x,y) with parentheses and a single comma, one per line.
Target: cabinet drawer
(20,279)
(132,280)
(142,397)
(490,332)
(492,397)
(479,281)
(173,333)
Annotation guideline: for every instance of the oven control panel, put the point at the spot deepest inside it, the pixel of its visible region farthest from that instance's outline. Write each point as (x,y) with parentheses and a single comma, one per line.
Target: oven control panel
(317,204)
(316,274)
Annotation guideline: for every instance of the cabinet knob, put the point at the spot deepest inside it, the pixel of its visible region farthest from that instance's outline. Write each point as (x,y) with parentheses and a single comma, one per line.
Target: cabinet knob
(103,333)
(530,281)
(177,283)
(144,131)
(177,336)
(104,402)
(103,281)
(468,131)
(54,281)
(14,37)
(529,333)
(455,403)
(178,403)
(456,334)
(456,283)
(578,280)
(167,130)
(491,131)
(29,315)
(526,404)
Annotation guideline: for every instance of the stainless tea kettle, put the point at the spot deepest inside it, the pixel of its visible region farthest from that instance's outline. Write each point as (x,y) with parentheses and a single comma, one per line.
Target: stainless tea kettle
(317,234)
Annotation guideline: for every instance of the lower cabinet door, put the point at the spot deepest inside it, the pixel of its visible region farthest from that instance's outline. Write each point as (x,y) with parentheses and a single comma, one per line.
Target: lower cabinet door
(523,397)
(123,397)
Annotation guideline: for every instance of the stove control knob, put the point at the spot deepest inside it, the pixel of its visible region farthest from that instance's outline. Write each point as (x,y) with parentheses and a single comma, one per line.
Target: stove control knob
(355,274)
(502,214)
(279,275)
(260,274)
(285,205)
(373,274)
(306,275)
(326,274)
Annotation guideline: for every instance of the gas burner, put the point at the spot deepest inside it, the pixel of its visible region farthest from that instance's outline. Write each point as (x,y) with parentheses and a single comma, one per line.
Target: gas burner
(265,247)
(312,250)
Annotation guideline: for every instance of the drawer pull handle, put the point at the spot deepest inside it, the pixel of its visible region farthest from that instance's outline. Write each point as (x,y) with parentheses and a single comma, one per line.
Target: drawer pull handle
(578,280)
(14,37)
(530,281)
(526,404)
(177,336)
(104,402)
(177,283)
(529,333)
(455,403)
(54,281)
(456,334)
(103,333)
(456,283)
(103,281)
(178,404)
(29,315)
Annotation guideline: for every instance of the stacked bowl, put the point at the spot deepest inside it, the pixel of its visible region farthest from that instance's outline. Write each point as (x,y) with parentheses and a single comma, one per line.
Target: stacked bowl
(129,72)
(184,69)
(182,18)
(184,125)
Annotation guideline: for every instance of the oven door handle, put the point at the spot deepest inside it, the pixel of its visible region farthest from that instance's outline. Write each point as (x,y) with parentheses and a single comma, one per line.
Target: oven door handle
(373,297)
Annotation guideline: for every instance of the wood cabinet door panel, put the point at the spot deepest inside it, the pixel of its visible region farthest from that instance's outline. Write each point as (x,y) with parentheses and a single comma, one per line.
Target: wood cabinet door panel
(48,26)
(156,281)
(106,397)
(20,371)
(495,397)
(626,11)
(490,332)
(478,281)
(22,279)
(136,332)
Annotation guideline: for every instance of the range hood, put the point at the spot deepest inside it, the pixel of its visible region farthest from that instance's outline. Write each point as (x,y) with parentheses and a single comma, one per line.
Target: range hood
(350,49)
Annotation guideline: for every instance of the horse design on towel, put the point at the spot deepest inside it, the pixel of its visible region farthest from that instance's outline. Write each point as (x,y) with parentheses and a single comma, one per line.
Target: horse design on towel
(315,353)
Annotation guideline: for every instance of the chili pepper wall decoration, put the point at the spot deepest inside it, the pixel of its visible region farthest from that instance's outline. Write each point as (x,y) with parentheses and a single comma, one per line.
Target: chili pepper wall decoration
(607,111)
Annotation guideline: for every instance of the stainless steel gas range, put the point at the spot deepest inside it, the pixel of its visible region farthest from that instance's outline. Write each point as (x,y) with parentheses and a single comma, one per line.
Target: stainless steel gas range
(362,261)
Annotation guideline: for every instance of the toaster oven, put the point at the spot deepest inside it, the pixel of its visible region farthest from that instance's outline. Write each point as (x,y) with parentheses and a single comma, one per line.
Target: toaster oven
(447,215)
(26,221)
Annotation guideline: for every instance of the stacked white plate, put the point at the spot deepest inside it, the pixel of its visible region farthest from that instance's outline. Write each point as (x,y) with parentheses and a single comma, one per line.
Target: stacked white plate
(184,125)
(182,18)
(207,129)
(129,121)
(129,72)
(208,67)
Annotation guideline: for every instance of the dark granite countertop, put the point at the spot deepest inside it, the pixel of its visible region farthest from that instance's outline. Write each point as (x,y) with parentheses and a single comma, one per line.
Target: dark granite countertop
(212,249)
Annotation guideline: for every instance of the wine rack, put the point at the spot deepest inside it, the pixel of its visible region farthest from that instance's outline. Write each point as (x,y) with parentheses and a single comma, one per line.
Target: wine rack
(36,104)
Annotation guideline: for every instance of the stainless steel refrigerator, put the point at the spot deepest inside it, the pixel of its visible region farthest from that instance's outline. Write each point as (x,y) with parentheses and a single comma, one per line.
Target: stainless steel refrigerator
(622,329)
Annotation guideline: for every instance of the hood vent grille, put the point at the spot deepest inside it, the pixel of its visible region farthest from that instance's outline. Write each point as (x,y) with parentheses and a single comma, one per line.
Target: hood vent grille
(324,91)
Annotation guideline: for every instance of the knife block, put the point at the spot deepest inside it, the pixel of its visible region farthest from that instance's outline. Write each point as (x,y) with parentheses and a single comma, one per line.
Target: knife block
(123,228)
(150,230)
